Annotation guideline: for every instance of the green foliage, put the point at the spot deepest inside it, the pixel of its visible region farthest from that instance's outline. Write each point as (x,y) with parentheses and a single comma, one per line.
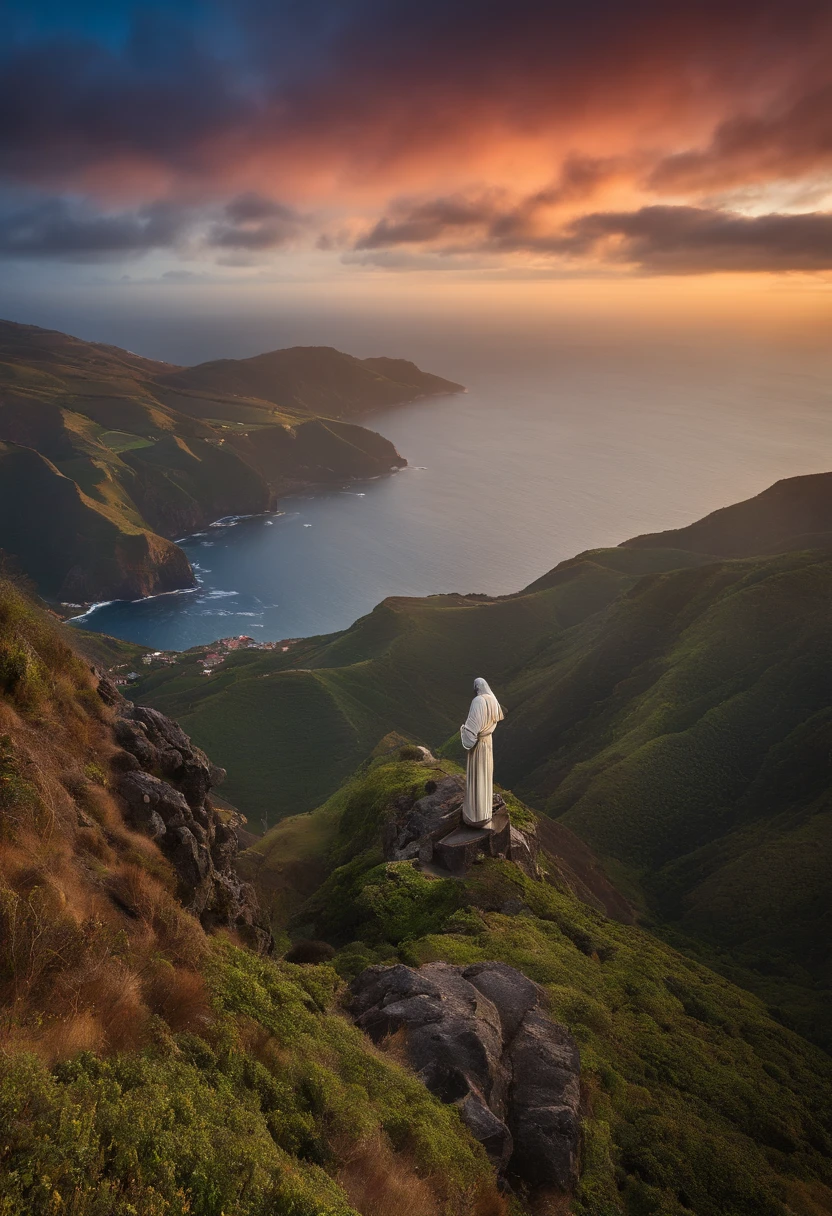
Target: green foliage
(396,902)
(96,773)
(253,1118)
(15,789)
(34,660)
(141,1136)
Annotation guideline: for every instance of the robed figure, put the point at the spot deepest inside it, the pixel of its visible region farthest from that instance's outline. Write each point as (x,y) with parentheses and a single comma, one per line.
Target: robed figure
(483,716)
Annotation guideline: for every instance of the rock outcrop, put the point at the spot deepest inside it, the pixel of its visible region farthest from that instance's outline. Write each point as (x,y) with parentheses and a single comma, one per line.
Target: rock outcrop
(164,780)
(479,1037)
(430,829)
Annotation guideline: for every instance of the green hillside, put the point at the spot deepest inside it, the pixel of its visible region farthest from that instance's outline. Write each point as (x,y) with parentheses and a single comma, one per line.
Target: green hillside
(795,513)
(695,1100)
(670,707)
(155,451)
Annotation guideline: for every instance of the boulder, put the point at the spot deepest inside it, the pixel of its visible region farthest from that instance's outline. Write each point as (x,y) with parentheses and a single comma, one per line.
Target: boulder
(544,1063)
(417,822)
(479,1037)
(177,813)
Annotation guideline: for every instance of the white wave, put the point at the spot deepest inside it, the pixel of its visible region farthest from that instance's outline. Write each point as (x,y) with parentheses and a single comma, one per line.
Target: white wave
(228,521)
(307,525)
(142,599)
(219,595)
(93,608)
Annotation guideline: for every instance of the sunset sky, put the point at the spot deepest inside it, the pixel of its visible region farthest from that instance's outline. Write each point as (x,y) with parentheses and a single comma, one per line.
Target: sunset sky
(329,140)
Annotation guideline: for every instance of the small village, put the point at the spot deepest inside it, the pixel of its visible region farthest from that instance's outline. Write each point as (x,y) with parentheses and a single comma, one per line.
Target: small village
(209,658)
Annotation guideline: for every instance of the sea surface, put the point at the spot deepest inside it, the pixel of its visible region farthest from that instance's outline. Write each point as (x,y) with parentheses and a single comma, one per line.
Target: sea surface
(543,457)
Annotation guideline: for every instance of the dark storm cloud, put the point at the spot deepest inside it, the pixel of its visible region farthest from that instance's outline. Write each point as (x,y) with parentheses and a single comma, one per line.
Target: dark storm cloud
(430,221)
(58,228)
(684,240)
(254,222)
(54,228)
(660,239)
(70,102)
(790,140)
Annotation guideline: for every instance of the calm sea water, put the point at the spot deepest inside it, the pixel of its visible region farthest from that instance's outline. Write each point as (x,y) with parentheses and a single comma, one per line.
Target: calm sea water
(542,458)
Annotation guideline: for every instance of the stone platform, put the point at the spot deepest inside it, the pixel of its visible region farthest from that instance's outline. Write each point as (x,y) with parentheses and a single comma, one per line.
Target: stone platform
(429,830)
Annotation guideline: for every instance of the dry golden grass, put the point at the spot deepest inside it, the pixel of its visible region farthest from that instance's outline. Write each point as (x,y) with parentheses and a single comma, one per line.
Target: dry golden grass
(180,997)
(92,939)
(379,1182)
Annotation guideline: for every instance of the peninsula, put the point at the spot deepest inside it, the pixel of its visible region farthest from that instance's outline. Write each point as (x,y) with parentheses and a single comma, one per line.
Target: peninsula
(106,457)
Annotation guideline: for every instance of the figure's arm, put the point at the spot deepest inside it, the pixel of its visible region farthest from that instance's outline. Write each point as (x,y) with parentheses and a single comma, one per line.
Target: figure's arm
(469,732)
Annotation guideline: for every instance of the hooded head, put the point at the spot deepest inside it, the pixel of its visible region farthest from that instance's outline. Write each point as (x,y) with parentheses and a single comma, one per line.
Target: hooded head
(483,689)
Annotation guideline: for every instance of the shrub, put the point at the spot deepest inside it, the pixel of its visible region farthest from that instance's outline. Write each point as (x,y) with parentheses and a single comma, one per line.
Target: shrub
(310,952)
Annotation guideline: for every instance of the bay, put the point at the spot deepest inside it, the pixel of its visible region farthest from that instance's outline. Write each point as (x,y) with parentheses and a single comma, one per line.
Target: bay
(543,457)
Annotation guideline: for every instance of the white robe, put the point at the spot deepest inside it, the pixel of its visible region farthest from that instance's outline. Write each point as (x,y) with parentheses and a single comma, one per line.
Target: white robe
(483,716)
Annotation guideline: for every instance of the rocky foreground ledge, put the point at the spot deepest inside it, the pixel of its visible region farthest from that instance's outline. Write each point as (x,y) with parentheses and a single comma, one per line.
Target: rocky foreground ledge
(479,1037)
(176,812)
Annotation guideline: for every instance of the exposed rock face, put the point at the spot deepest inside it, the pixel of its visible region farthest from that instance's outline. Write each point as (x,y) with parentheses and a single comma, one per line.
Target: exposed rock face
(431,830)
(175,811)
(478,1037)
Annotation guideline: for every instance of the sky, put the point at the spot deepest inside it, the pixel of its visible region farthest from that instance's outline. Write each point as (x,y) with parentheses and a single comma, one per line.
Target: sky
(602,151)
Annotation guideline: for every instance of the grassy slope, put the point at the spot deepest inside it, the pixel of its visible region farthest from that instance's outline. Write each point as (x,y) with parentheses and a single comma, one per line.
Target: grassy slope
(101,650)
(72,547)
(145,1069)
(696,1101)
